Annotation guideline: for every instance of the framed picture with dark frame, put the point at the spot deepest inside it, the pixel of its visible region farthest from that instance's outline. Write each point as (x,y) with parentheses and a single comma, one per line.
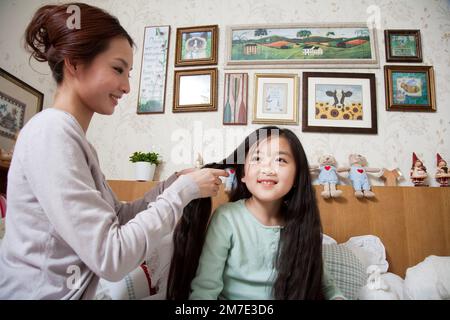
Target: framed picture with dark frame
(18,103)
(339,102)
(196,46)
(409,88)
(403,45)
(195,90)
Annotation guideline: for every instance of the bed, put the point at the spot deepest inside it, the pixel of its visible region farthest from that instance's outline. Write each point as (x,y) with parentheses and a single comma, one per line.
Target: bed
(403,235)
(404,231)
(412,222)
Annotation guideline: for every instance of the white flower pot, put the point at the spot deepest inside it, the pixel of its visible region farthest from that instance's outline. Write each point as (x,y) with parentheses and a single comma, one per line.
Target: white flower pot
(144,171)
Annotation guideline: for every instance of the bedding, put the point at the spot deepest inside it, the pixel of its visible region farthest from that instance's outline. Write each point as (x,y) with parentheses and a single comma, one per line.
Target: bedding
(429,279)
(347,262)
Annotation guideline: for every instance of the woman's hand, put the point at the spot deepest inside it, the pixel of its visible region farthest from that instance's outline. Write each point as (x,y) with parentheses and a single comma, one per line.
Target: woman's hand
(186,171)
(208,180)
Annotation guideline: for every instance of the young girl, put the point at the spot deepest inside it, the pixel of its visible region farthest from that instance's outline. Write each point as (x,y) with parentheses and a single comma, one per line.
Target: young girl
(266,243)
(64,227)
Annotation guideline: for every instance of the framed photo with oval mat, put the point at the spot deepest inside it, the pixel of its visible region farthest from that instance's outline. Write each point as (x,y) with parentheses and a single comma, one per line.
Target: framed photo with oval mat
(339,102)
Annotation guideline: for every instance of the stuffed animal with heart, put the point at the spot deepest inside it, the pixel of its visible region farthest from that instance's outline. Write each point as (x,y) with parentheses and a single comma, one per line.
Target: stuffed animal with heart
(357,173)
(328,176)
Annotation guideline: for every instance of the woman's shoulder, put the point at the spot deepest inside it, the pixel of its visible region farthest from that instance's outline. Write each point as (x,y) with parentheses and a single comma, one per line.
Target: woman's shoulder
(52,119)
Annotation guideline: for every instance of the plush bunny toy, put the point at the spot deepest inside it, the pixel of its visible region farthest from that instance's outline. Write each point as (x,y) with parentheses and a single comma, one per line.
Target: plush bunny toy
(358,175)
(328,176)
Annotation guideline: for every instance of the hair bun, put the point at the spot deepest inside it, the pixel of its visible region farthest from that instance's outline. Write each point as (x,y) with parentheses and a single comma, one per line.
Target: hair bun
(37,40)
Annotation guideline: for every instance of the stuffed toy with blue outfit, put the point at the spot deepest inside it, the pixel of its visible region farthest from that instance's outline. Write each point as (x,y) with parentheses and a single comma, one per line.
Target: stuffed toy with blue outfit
(328,176)
(358,175)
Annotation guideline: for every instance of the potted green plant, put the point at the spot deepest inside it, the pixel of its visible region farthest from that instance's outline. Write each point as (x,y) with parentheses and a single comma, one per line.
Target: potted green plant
(145,164)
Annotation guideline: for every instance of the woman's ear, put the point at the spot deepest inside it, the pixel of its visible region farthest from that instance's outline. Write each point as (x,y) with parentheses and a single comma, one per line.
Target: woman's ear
(70,66)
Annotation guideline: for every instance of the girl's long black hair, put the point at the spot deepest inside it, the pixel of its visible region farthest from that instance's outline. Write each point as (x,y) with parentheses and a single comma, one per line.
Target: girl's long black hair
(299,260)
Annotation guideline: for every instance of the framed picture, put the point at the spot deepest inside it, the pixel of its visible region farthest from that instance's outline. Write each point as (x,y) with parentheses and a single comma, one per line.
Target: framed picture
(276,99)
(235,99)
(409,88)
(339,102)
(403,45)
(196,46)
(195,90)
(152,85)
(18,103)
(307,45)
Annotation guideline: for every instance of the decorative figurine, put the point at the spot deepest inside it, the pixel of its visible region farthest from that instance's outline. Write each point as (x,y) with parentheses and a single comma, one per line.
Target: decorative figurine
(328,176)
(391,177)
(418,172)
(442,175)
(358,175)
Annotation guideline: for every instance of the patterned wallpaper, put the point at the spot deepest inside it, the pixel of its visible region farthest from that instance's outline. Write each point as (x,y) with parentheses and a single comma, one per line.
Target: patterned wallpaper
(178,137)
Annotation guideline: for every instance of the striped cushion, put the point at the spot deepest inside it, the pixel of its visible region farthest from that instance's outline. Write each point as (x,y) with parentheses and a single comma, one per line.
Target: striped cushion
(347,270)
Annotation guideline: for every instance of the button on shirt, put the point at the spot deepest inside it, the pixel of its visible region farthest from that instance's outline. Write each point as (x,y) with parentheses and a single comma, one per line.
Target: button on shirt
(238,258)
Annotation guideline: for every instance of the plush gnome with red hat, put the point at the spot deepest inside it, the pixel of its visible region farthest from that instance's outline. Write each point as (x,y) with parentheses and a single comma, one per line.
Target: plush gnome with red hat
(442,174)
(418,172)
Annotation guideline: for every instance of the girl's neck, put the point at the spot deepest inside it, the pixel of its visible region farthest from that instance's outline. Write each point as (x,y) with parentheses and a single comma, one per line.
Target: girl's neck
(268,213)
(67,100)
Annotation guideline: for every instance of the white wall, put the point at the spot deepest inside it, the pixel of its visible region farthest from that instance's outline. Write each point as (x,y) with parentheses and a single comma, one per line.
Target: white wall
(117,136)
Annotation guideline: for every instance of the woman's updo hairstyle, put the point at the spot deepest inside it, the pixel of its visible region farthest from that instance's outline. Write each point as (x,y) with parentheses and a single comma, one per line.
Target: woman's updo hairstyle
(49,36)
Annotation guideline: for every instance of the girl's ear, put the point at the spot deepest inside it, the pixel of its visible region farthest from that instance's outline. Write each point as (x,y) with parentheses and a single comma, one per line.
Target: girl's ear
(243,179)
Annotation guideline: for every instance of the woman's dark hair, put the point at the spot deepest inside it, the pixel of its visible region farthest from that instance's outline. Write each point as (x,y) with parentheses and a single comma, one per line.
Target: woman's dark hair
(299,260)
(49,37)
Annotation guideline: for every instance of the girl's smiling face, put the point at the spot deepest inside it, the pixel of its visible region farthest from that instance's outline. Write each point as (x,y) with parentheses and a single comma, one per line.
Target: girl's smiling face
(270,169)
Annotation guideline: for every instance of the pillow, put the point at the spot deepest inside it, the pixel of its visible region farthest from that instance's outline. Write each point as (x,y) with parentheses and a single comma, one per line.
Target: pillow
(344,266)
(2,206)
(395,283)
(370,250)
(135,285)
(147,282)
(429,279)
(2,228)
(327,239)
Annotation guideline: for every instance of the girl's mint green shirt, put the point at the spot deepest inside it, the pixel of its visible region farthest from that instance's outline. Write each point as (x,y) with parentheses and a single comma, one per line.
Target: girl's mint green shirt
(237,261)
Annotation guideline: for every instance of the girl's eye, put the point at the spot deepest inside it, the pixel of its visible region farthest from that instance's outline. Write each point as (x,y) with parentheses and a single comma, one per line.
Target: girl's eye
(281,160)
(119,70)
(255,158)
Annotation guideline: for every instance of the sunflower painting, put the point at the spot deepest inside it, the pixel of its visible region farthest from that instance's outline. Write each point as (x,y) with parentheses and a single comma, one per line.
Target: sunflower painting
(339,102)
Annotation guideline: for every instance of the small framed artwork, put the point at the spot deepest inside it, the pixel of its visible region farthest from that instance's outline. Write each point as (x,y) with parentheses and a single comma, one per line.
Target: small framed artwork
(152,85)
(403,45)
(276,99)
(196,46)
(195,90)
(409,88)
(18,103)
(235,99)
(339,102)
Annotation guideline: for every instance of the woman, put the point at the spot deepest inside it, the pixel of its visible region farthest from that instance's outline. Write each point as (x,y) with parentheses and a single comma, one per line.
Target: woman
(65,228)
